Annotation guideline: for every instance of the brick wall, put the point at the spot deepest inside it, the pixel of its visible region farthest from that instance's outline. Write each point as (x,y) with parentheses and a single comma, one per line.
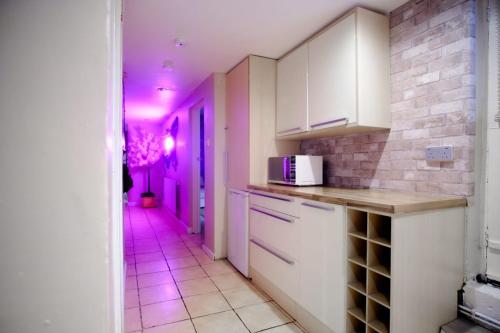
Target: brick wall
(433,103)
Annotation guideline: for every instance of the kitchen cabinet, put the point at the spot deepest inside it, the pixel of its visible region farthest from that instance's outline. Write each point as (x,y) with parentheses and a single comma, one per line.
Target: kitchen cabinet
(250,122)
(291,98)
(394,265)
(332,76)
(347,84)
(322,256)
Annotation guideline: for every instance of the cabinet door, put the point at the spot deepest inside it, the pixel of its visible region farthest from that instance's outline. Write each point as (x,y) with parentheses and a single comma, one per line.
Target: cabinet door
(322,267)
(292,92)
(332,76)
(237,133)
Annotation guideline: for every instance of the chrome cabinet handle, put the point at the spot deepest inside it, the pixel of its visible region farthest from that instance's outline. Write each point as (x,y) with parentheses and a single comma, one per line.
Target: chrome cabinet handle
(272,215)
(274,253)
(330,122)
(272,197)
(328,209)
(289,130)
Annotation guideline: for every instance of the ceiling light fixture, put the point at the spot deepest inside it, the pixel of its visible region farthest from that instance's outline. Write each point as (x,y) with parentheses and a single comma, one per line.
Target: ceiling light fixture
(165,89)
(179,43)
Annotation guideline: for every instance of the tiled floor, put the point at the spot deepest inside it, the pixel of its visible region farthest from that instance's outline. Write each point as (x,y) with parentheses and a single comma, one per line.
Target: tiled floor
(172,286)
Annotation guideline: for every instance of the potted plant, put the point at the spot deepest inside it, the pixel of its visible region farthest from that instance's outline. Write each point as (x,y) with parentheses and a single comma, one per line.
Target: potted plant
(145,151)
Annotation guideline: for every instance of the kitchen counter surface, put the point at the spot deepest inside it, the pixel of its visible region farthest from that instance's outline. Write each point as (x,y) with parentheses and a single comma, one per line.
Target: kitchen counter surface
(388,201)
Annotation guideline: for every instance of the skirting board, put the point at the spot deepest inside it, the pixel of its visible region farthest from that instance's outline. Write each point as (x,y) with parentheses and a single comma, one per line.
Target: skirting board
(208,251)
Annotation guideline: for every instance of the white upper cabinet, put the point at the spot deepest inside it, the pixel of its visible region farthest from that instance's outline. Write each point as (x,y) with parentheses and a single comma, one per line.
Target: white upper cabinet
(332,76)
(291,99)
(344,87)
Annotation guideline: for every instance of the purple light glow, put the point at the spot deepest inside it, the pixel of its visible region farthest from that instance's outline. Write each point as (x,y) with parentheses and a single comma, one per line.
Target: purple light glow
(169,144)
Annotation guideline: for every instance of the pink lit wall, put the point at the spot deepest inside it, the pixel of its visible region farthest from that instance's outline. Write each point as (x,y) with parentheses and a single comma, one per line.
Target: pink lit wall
(140,175)
(211,94)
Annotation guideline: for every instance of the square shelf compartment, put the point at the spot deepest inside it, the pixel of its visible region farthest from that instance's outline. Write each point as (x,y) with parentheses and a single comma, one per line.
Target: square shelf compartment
(354,325)
(378,317)
(357,223)
(356,277)
(379,229)
(379,259)
(379,288)
(356,304)
(356,250)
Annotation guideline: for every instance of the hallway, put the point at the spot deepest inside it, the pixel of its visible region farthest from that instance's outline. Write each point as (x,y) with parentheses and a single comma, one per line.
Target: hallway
(172,286)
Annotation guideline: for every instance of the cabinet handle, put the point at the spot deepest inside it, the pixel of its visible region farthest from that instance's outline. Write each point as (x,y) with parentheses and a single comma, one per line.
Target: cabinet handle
(272,215)
(330,122)
(290,130)
(272,197)
(274,253)
(328,209)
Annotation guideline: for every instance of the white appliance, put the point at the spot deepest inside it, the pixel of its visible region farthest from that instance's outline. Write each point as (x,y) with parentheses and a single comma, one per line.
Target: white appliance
(297,170)
(237,246)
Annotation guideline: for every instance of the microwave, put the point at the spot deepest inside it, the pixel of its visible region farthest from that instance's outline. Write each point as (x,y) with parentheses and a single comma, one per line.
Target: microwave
(297,170)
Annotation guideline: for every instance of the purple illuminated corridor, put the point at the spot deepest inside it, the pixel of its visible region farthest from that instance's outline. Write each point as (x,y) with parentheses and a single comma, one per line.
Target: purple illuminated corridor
(173,286)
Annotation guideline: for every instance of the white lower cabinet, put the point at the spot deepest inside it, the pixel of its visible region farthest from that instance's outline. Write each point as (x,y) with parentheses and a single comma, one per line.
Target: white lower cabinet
(322,263)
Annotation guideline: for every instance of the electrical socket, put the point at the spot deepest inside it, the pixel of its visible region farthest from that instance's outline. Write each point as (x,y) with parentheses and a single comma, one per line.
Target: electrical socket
(439,154)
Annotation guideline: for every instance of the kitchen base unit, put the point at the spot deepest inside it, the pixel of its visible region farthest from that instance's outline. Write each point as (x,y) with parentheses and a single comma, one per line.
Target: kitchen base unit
(403,270)
(342,264)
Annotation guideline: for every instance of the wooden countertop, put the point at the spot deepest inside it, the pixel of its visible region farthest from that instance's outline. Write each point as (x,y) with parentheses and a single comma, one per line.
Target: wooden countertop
(388,201)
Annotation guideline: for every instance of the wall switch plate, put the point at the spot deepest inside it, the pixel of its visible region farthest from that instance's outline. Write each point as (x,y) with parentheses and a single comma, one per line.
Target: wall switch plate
(440,154)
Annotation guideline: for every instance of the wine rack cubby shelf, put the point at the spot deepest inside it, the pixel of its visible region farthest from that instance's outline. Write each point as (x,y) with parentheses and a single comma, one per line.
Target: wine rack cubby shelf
(369,272)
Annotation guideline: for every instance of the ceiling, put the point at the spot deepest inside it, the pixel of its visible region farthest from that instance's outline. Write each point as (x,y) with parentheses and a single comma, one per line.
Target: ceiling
(217,35)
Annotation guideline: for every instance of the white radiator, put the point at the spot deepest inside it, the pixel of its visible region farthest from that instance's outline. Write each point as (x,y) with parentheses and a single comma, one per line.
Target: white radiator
(170,194)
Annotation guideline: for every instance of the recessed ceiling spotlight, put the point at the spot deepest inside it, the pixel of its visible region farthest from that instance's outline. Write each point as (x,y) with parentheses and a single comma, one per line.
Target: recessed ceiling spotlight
(179,43)
(168,65)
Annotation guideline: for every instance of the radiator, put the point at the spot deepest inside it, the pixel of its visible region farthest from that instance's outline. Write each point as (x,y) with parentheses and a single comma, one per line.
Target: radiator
(170,195)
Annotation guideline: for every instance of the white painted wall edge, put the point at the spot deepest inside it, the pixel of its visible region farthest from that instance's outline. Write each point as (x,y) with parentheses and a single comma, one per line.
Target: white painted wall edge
(115,185)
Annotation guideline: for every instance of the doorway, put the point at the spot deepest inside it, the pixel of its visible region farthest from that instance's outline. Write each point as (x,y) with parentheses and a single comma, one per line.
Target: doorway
(198,196)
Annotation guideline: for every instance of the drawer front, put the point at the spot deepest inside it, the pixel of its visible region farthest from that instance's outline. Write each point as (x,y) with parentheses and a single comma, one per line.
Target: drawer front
(280,203)
(282,272)
(273,228)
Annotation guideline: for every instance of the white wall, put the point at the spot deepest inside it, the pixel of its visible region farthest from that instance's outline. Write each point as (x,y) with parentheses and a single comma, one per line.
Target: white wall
(211,94)
(55,200)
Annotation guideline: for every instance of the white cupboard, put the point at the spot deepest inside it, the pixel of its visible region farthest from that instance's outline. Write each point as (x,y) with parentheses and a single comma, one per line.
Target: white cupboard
(291,95)
(321,255)
(344,84)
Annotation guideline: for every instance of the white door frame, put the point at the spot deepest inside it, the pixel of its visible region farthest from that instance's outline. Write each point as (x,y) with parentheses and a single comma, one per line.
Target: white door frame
(194,120)
(114,155)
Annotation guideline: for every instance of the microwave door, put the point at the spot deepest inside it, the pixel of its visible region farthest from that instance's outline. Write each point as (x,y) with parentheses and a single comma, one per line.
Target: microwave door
(276,170)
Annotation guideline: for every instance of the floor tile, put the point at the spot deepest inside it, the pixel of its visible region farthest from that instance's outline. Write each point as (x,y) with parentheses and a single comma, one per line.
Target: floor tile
(203,259)
(188,273)
(244,297)
(163,313)
(148,257)
(196,287)
(130,282)
(131,298)
(154,279)
(151,267)
(262,316)
(224,322)
(196,251)
(132,320)
(131,270)
(156,294)
(177,253)
(202,305)
(185,326)
(230,281)
(289,328)
(218,267)
(182,262)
